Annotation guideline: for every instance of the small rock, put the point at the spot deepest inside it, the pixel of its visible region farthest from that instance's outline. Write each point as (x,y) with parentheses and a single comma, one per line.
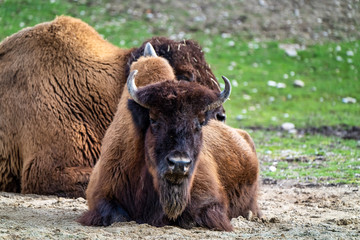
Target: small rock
(288,126)
(293,131)
(271,83)
(350,53)
(272,169)
(297,12)
(299,83)
(240,117)
(225,35)
(274,220)
(250,215)
(234,83)
(231,43)
(262,3)
(246,97)
(342,222)
(349,100)
(252,108)
(291,52)
(281,85)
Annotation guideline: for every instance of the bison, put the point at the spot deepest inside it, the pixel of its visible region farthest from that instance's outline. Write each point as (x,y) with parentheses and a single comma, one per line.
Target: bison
(175,165)
(60,83)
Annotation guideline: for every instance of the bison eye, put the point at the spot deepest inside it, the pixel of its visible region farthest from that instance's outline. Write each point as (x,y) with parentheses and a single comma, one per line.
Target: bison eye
(220,117)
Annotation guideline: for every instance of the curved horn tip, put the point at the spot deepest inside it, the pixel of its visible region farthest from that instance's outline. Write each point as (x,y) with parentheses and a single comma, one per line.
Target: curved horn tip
(133,73)
(131,83)
(227,89)
(149,50)
(132,89)
(224,95)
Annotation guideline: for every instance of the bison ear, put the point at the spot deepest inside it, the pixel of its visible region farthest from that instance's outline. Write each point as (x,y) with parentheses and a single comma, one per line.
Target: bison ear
(140,115)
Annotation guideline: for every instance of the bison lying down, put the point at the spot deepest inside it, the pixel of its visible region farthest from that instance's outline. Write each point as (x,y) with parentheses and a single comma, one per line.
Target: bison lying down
(60,83)
(163,161)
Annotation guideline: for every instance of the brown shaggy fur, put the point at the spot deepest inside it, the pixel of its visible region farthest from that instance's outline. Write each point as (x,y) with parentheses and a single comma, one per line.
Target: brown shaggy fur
(188,61)
(60,83)
(59,89)
(125,184)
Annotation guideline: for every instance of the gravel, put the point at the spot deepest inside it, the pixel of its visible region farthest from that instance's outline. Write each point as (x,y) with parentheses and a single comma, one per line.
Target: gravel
(289,212)
(301,20)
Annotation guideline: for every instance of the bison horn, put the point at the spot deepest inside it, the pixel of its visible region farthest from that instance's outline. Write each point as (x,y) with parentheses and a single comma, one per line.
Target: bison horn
(149,50)
(224,95)
(133,89)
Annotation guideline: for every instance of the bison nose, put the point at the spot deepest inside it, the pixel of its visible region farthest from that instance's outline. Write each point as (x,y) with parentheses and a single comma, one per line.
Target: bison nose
(179,164)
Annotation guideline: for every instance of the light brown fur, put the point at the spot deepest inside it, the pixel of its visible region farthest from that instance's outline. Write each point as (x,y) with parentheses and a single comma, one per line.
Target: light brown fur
(59,87)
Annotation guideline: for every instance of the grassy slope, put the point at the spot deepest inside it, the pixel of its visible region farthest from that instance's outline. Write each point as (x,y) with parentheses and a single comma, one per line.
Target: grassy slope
(251,65)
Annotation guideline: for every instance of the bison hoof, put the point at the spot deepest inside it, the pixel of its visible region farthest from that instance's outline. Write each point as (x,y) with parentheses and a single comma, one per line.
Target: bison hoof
(107,213)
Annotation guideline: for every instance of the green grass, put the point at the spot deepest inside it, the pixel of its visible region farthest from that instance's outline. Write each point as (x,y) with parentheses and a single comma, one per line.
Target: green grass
(327,70)
(326,79)
(17,14)
(313,158)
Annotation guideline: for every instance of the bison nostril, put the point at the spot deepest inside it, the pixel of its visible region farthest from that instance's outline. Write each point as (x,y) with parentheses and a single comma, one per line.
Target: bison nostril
(171,163)
(179,164)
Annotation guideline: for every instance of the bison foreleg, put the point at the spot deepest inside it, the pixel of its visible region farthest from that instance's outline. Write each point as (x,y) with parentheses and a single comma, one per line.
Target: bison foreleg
(211,216)
(41,177)
(106,213)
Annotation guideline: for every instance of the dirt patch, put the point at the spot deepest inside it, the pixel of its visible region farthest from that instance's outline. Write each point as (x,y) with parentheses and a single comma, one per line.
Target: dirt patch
(301,20)
(343,131)
(290,213)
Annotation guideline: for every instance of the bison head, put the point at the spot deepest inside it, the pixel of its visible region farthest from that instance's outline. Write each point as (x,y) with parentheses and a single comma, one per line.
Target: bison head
(172,114)
(188,62)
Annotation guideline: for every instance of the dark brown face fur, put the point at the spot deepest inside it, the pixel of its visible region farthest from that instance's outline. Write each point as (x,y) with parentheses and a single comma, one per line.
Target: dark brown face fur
(173,137)
(188,61)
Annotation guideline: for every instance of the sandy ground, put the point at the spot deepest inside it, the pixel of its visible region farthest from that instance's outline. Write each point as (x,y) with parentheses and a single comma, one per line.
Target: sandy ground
(289,213)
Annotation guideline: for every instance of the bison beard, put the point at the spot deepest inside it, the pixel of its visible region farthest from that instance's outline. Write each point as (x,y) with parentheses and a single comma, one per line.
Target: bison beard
(174,197)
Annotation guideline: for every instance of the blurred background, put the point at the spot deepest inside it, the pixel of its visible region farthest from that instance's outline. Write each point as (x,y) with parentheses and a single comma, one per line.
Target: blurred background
(294,67)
